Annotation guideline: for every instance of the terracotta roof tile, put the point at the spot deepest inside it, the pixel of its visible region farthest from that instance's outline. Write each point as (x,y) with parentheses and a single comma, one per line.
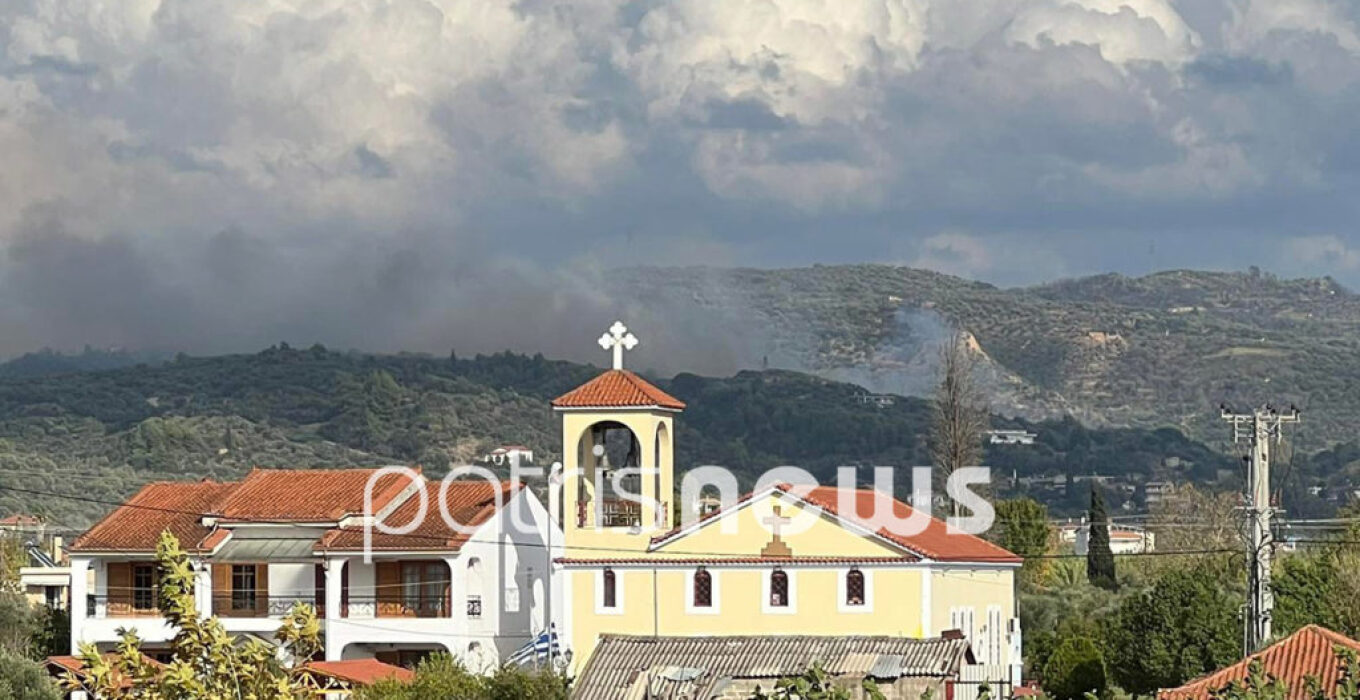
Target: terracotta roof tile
(308,495)
(302,495)
(617,388)
(470,503)
(935,541)
(360,671)
(159,506)
(733,561)
(1311,651)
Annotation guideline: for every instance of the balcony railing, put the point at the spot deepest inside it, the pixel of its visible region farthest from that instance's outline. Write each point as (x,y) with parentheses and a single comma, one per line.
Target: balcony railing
(252,604)
(261,606)
(227,605)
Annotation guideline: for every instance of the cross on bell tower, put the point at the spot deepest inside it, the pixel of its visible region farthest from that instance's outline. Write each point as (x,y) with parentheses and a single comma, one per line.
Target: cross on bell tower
(618,339)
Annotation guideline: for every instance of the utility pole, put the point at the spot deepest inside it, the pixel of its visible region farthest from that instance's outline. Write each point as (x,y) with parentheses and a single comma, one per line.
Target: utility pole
(1258,428)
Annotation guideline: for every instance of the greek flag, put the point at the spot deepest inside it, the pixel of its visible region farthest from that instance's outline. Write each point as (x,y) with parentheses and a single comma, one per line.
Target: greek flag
(541,647)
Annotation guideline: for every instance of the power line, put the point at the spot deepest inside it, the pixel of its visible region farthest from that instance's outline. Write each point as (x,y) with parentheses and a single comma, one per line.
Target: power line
(444,539)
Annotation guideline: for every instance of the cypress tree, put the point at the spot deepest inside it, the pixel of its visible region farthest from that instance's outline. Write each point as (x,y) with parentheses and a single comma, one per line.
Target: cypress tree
(1099,559)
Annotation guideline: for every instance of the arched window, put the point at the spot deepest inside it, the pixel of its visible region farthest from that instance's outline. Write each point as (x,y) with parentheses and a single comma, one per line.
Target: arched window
(703,588)
(854,587)
(779,589)
(609,597)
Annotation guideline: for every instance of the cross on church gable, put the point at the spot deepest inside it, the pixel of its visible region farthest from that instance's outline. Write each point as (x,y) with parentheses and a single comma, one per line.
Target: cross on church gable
(776,547)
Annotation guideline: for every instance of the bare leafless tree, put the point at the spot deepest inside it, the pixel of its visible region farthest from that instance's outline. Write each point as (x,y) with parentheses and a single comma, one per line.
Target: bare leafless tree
(960,416)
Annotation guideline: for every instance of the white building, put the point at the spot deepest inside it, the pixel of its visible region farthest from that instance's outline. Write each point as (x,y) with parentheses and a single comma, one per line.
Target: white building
(280,537)
(1124,539)
(1011,437)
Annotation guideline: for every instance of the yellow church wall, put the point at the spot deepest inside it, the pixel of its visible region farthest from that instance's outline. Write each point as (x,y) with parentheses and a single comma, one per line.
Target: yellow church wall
(963,595)
(817,596)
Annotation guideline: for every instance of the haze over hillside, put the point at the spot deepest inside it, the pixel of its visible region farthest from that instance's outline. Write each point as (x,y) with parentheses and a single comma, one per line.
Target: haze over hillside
(77,441)
(1164,349)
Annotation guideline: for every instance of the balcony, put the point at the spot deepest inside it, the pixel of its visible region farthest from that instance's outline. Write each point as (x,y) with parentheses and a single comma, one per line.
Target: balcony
(251,604)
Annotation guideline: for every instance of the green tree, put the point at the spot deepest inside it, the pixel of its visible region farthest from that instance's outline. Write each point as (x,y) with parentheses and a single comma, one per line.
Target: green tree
(22,679)
(1099,559)
(1075,668)
(1022,527)
(814,684)
(52,632)
(1182,627)
(17,623)
(207,662)
(442,676)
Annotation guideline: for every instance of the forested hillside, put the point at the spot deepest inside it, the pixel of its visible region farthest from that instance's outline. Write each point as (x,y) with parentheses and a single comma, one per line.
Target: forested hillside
(1160,350)
(99,435)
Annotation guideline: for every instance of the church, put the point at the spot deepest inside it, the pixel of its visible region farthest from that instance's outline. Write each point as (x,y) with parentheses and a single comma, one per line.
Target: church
(632,568)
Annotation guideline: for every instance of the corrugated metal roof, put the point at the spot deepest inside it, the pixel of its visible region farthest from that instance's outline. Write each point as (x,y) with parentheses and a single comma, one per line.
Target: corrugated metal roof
(622,662)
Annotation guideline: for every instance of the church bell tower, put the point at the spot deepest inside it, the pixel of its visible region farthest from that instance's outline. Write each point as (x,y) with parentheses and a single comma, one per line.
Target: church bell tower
(618,472)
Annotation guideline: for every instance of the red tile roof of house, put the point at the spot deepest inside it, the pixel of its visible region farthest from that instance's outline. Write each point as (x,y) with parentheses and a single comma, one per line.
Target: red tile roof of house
(159,506)
(1311,651)
(470,503)
(287,496)
(934,542)
(360,671)
(13,520)
(59,666)
(308,495)
(617,388)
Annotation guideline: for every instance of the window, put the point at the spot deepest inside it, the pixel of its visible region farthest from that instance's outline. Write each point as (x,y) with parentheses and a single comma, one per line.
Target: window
(424,588)
(609,595)
(854,587)
(779,589)
(144,587)
(703,588)
(243,583)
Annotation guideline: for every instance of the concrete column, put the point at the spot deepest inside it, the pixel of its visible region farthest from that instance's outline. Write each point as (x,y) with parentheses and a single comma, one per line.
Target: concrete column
(203,593)
(79,608)
(335,645)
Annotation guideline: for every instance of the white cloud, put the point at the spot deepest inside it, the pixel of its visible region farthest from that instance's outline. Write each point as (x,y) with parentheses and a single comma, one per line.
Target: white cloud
(1326,252)
(331,132)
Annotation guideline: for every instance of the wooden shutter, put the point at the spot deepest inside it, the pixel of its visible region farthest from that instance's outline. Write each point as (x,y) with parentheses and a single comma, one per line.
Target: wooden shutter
(119,587)
(221,588)
(319,590)
(389,589)
(344,590)
(262,590)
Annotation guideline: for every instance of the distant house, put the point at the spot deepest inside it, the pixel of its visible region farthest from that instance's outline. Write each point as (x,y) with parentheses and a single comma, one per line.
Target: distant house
(1309,652)
(703,668)
(879,400)
(1124,539)
(1011,437)
(1155,492)
(508,455)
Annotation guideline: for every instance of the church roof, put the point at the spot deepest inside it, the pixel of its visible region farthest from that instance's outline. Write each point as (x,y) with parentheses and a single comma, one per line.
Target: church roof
(935,541)
(618,388)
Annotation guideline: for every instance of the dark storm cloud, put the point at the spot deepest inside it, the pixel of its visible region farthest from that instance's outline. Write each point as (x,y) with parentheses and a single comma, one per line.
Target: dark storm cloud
(413,174)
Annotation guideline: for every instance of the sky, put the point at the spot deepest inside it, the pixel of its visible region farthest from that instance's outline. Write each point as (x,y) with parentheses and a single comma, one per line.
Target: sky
(218,175)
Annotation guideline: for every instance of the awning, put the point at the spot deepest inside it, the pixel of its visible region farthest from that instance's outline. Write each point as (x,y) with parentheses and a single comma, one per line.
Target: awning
(266,549)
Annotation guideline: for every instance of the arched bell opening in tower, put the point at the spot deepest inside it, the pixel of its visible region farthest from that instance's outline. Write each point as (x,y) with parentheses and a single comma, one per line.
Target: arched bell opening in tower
(608,448)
